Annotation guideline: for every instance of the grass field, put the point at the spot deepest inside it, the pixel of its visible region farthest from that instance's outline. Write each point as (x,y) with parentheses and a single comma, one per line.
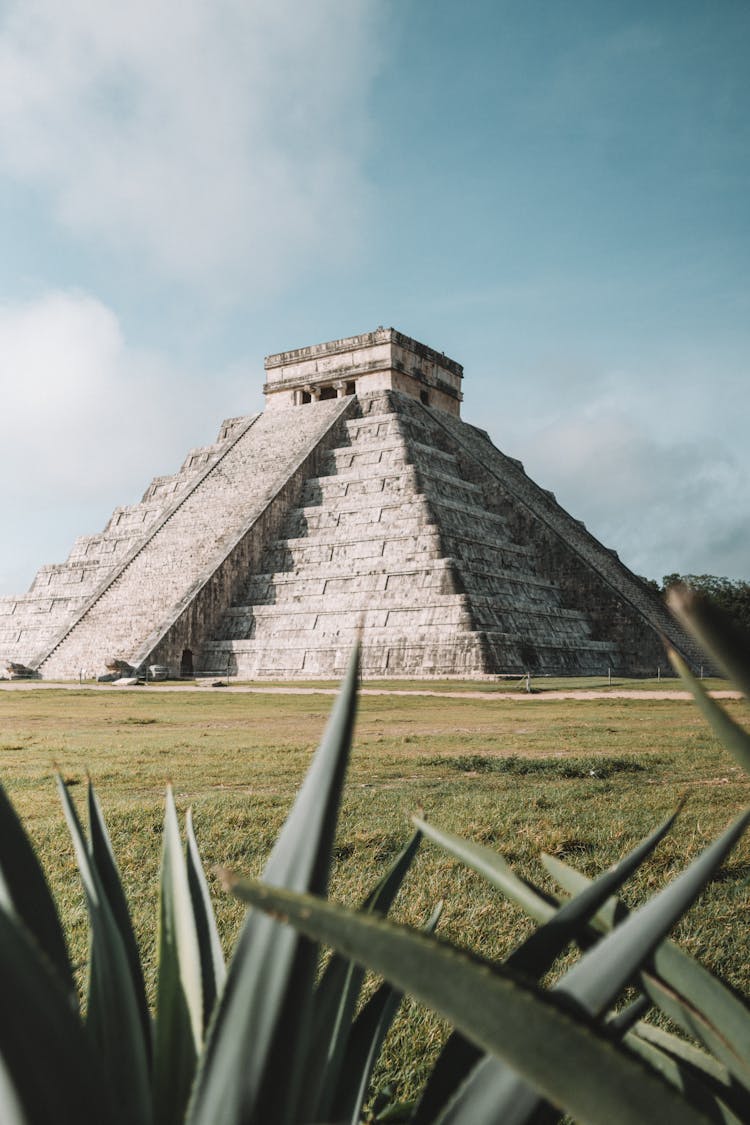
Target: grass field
(492,685)
(581,779)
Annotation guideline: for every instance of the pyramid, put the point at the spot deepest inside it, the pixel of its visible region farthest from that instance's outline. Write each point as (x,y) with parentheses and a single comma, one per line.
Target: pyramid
(357,498)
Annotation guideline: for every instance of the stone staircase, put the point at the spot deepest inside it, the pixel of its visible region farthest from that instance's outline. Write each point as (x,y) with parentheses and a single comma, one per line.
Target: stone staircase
(361,548)
(187,544)
(618,584)
(59,593)
(392,536)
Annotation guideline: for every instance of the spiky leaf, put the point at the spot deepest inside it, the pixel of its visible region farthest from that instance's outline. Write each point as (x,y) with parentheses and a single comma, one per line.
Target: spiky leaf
(103,859)
(484,1083)
(556,1050)
(25,893)
(735,739)
(11,1111)
(695,999)
(697,1086)
(592,981)
(112,1016)
(267,997)
(719,636)
(493,868)
(50,1065)
(336,999)
(365,1043)
(179,1004)
(213,969)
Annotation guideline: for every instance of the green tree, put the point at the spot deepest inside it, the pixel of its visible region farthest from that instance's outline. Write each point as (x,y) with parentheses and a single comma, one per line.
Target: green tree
(728,594)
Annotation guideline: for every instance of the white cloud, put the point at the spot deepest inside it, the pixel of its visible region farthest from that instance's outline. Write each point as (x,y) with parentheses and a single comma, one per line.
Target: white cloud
(651,452)
(223,141)
(87,421)
(666,503)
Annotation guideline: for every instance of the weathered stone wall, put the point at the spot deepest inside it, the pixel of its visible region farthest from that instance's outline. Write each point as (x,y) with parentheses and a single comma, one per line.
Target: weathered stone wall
(515,608)
(361,549)
(199,612)
(60,592)
(130,613)
(619,604)
(373,362)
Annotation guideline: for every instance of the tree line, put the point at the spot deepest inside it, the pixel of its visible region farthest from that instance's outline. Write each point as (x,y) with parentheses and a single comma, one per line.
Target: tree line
(732,595)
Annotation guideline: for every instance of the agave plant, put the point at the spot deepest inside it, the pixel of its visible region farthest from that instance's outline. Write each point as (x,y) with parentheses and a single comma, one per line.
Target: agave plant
(522,1053)
(267,1040)
(260,1039)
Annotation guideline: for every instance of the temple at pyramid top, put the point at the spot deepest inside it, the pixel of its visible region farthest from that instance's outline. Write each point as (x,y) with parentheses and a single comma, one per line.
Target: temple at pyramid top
(383,360)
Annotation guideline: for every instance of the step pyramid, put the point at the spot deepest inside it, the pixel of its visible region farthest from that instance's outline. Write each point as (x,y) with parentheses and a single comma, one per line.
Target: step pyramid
(358,499)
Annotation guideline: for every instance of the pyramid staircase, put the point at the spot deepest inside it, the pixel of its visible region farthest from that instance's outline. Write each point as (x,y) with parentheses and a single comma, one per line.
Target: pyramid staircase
(171,579)
(393,534)
(60,592)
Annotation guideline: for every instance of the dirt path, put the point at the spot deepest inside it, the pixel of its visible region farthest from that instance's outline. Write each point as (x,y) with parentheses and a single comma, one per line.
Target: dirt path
(521,696)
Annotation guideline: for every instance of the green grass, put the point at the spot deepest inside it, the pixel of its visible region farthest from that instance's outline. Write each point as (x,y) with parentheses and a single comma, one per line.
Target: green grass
(503,685)
(581,779)
(491,685)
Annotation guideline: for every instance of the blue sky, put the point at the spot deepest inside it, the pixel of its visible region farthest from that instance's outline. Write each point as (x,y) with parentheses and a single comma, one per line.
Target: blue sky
(556,195)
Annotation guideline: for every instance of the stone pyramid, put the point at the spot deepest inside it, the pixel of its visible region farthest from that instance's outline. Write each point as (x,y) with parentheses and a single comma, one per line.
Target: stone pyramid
(358,497)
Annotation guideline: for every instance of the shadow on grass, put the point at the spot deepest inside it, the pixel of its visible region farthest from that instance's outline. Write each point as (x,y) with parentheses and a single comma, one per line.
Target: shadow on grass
(595,767)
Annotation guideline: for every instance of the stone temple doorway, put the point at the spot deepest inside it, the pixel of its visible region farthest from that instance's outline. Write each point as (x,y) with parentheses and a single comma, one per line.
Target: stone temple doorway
(186,664)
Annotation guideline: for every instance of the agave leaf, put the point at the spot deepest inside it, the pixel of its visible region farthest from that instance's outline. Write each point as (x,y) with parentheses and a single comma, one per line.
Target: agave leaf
(251,1068)
(179,1004)
(695,999)
(493,1091)
(570,879)
(380,898)
(494,869)
(457,1060)
(712,1071)
(362,1050)
(213,969)
(25,893)
(715,632)
(595,980)
(598,977)
(702,1006)
(573,882)
(458,1057)
(103,859)
(487,1083)
(735,739)
(10,1107)
(336,999)
(365,1042)
(622,1021)
(49,1071)
(682,1049)
(112,1018)
(698,1088)
(539,951)
(555,1049)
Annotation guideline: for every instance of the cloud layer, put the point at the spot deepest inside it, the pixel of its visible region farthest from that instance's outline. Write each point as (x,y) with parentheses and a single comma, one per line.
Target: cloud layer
(220,142)
(666,500)
(87,420)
